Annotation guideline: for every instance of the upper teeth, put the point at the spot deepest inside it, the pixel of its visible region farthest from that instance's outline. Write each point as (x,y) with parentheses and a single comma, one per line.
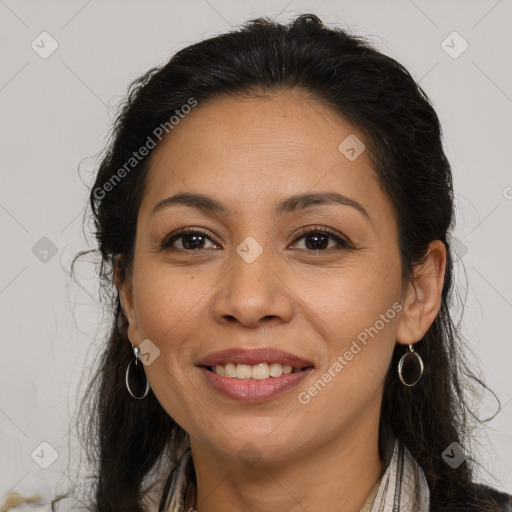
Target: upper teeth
(257,371)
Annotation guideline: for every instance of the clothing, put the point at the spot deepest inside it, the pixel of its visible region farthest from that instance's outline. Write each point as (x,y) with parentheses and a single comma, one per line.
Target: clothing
(368,504)
(402,486)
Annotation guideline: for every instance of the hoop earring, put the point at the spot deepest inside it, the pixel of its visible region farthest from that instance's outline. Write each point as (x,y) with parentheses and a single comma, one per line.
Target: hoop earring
(136,351)
(410,358)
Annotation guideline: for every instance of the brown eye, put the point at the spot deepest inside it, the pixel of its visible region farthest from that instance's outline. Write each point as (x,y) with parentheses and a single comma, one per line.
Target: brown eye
(191,239)
(317,239)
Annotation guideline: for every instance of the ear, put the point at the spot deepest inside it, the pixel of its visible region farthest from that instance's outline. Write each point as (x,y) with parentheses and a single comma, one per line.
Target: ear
(124,284)
(423,296)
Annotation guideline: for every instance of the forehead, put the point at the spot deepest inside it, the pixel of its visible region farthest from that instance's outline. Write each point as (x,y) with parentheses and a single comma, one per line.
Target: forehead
(246,150)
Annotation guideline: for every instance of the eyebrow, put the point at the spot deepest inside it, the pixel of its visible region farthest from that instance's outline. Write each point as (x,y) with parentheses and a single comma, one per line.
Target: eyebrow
(288,205)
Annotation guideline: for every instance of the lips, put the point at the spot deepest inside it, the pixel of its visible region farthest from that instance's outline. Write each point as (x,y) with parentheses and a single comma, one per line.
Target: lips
(253,357)
(252,391)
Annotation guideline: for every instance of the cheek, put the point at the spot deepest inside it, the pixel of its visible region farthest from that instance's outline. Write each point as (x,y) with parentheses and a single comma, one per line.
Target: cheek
(356,311)
(358,324)
(167,301)
(347,300)
(168,307)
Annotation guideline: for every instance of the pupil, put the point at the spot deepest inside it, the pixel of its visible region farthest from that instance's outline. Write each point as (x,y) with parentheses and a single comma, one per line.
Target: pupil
(197,239)
(316,245)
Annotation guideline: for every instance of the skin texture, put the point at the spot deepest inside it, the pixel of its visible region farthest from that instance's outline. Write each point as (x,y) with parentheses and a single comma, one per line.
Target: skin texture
(250,153)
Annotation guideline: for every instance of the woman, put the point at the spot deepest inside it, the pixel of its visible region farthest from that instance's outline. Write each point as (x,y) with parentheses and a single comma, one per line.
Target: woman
(274,211)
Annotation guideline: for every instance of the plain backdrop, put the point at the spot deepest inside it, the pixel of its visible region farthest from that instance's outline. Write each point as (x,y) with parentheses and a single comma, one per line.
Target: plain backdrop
(57,108)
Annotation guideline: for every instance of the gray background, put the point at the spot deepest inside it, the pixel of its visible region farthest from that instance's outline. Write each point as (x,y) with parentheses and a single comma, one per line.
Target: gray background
(57,110)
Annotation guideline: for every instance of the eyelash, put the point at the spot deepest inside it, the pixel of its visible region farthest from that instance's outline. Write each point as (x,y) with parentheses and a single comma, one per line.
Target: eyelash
(343,244)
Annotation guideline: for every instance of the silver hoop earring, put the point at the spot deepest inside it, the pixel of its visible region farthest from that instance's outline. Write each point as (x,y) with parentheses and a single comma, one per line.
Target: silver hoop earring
(411,365)
(136,351)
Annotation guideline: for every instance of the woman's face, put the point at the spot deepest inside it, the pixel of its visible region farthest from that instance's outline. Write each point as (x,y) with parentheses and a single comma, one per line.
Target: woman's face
(251,277)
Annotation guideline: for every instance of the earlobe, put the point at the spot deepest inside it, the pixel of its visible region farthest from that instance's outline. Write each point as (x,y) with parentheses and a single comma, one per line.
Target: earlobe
(423,298)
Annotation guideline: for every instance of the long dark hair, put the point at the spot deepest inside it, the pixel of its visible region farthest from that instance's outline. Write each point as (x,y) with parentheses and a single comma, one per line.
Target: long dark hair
(125,437)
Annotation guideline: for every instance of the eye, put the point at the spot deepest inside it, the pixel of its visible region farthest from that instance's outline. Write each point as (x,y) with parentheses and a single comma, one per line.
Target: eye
(191,239)
(317,239)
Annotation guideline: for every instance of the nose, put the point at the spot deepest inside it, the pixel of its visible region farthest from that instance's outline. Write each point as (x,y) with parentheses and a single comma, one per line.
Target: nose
(253,292)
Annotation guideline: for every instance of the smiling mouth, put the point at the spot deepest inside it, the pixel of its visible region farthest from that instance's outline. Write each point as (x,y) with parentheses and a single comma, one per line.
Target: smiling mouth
(258,371)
